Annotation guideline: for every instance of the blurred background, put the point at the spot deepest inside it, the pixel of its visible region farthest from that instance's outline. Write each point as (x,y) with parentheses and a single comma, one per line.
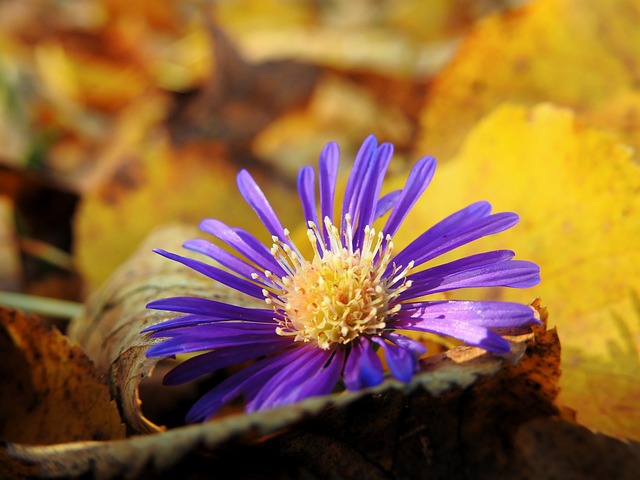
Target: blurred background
(119,116)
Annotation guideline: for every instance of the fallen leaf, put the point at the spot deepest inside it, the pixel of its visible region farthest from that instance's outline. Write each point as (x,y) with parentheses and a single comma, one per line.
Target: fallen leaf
(50,392)
(579,54)
(576,191)
(456,417)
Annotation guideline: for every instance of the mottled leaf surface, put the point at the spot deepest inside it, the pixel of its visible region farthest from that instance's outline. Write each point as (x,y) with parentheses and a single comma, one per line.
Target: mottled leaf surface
(50,391)
(577,193)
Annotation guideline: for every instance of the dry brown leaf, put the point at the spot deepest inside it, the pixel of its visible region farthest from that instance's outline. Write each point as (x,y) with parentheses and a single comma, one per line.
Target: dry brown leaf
(238,98)
(456,418)
(50,390)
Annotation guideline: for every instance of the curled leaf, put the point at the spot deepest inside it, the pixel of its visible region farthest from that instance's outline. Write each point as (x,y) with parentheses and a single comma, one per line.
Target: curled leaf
(455,418)
(116,314)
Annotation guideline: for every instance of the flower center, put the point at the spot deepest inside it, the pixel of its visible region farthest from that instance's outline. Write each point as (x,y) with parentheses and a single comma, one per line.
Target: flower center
(341,293)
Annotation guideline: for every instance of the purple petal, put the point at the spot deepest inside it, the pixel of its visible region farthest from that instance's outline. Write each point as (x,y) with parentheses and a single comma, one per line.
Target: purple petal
(192,320)
(354,184)
(221,358)
(454,222)
(306,185)
(473,335)
(227,328)
(181,322)
(363,367)
(217,274)
(485,314)
(211,308)
(203,337)
(322,383)
(246,382)
(298,380)
(509,273)
(328,174)
(256,199)
(386,203)
(418,180)
(435,276)
(244,243)
(407,343)
(402,363)
(430,245)
(370,191)
(221,256)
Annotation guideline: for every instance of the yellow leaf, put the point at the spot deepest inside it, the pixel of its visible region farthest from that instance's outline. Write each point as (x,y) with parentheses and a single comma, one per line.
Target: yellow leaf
(577,193)
(116,314)
(575,53)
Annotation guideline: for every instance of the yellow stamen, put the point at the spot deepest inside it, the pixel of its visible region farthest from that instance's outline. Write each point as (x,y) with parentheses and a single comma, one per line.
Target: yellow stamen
(338,295)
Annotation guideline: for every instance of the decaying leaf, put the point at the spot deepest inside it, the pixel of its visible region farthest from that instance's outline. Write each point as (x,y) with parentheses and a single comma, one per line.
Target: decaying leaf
(576,191)
(50,392)
(580,54)
(456,417)
(459,417)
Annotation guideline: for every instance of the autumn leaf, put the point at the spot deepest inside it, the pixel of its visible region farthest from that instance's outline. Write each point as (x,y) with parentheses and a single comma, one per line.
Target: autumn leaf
(580,54)
(141,114)
(50,392)
(391,429)
(576,191)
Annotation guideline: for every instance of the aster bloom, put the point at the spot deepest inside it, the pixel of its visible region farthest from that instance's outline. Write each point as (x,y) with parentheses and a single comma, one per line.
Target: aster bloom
(324,318)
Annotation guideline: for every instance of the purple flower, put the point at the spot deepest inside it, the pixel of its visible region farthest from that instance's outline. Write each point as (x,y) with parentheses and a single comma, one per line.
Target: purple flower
(323,318)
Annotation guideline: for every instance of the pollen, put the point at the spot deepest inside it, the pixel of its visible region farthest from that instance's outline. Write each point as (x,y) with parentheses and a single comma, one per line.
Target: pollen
(342,292)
